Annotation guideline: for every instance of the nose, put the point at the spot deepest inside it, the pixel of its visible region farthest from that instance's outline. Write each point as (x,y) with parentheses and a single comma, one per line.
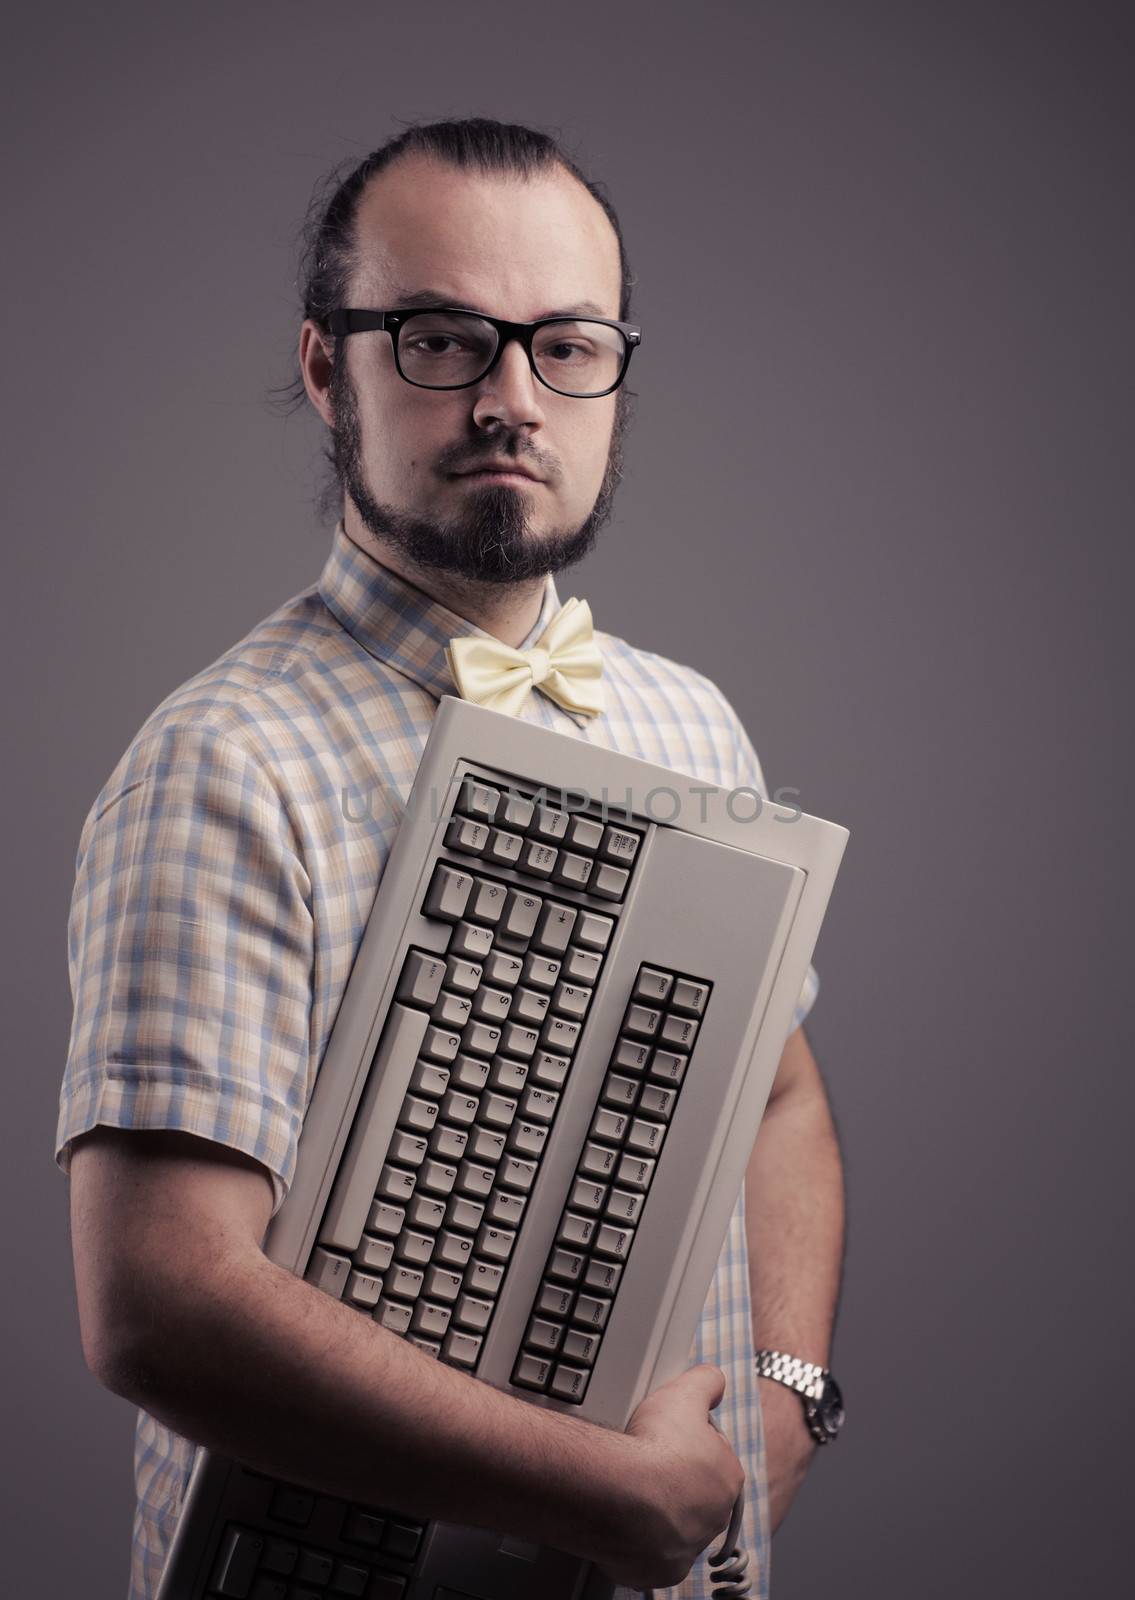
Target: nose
(509,394)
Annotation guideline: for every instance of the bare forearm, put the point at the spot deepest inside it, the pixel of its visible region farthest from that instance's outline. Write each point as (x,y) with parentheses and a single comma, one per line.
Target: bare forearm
(266,1369)
(794,1219)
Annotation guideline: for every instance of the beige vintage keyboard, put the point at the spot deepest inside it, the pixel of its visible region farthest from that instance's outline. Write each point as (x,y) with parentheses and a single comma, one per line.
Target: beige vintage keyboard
(531,1122)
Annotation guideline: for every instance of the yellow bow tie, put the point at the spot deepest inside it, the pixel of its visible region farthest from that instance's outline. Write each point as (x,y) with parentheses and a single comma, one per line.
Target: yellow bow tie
(564,663)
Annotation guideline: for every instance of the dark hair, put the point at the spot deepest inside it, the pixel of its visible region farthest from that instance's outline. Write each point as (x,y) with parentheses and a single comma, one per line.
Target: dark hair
(328,255)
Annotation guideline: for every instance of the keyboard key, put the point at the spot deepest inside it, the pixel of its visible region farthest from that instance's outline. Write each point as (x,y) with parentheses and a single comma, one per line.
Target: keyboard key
(469,1073)
(421,978)
(539,859)
(571,1000)
(409,1149)
(442,1283)
(560,1035)
(532,1372)
(448,1143)
(539,1104)
(385,1219)
(273,1589)
(464,1214)
(447,894)
(486,903)
(349,1580)
(554,1300)
(328,1271)
(495,1244)
(581,1347)
(646,1137)
(460,1108)
(599,1160)
(473,1313)
(451,1010)
(453,1249)
(374,1255)
(440,1044)
(573,870)
(593,931)
(395,1183)
(426,1212)
(402,1540)
(363,1289)
(505,1208)
(404,1282)
(657,1100)
(503,968)
(315,1567)
(418,1114)
(477,799)
(482,1038)
(415,1247)
(609,1125)
(543,1335)
(624,1205)
(653,985)
(527,1138)
(619,1091)
(691,996)
(430,1318)
(437,1177)
(470,941)
(394,1316)
(635,1171)
(585,834)
(569,1383)
(668,1066)
(555,927)
(291,1505)
(582,966)
(521,914)
(504,847)
(498,1110)
(549,1069)
(631,1055)
(587,1195)
(387,1586)
(363,1527)
(474,1178)
(237,1563)
(461,1348)
(619,845)
(515,811)
(279,1558)
(520,1039)
(517,1173)
(642,1020)
(614,1241)
(463,977)
(508,1075)
(603,1276)
(466,834)
(484,1278)
(609,881)
(493,1005)
(590,1311)
(487,1145)
(576,1230)
(530,1005)
(567,1265)
(550,823)
(681,1031)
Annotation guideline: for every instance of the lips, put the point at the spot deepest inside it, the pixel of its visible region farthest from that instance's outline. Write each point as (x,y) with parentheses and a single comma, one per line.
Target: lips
(512,468)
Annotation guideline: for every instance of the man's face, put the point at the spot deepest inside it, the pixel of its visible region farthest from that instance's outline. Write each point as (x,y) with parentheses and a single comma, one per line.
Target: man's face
(514,248)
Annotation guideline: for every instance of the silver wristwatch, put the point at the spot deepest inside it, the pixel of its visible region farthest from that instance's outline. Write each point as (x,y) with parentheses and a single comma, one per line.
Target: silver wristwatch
(823,1401)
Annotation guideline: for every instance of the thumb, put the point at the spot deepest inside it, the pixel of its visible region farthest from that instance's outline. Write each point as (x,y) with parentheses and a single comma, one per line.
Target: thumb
(702,1386)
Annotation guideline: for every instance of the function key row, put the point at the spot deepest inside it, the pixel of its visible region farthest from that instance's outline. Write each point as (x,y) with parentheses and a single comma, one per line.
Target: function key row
(608,1191)
(543,840)
(482,907)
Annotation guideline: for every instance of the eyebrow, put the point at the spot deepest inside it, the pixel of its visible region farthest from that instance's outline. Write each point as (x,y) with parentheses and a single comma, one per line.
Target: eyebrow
(426,299)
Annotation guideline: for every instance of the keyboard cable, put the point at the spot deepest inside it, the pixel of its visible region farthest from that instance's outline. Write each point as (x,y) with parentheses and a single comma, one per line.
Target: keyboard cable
(729,1562)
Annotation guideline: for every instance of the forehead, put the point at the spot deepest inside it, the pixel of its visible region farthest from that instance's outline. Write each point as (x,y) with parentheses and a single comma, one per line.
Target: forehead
(512,246)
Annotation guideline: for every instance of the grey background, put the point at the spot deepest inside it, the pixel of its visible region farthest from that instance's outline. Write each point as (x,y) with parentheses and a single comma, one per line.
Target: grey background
(877,489)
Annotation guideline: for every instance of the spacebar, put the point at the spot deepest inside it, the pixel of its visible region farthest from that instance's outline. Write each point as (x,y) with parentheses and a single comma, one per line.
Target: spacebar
(357,1178)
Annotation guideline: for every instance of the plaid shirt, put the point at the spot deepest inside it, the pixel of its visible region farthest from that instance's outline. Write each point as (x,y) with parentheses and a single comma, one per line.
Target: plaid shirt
(224,879)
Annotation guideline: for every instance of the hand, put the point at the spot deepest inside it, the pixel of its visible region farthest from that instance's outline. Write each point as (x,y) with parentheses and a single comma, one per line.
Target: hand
(789,1447)
(682,1481)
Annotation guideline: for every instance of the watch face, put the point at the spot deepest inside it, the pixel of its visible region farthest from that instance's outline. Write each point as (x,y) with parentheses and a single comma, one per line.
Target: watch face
(830,1408)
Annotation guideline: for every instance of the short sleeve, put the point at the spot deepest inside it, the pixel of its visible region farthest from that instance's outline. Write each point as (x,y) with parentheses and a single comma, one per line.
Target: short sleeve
(190,954)
(749,775)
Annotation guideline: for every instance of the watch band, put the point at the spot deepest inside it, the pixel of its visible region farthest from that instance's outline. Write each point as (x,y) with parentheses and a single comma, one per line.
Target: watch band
(803,1376)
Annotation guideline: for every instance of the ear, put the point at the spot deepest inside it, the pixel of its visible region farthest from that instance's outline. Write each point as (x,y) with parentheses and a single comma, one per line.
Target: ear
(315,364)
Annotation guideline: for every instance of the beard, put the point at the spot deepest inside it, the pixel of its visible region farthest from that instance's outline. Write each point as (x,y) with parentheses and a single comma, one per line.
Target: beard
(491,540)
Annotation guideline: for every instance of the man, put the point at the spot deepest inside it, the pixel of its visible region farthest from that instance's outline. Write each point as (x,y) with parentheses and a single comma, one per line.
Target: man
(223,888)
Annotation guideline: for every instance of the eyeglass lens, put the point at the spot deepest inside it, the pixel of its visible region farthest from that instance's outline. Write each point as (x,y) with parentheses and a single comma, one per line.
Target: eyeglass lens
(441,349)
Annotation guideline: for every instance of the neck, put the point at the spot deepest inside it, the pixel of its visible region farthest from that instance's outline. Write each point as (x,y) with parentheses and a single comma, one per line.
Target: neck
(507,611)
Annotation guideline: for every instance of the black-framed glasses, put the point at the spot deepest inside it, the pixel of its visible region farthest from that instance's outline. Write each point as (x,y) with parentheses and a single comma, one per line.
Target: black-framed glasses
(450,347)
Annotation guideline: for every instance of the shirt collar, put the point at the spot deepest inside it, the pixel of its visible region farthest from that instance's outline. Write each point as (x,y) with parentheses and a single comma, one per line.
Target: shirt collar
(399,624)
